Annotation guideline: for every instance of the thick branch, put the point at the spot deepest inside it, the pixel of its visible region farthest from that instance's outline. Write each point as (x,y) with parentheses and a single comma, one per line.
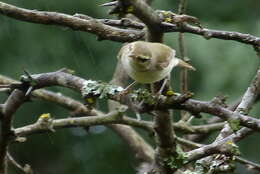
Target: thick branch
(164,132)
(79,108)
(195,106)
(141,149)
(246,103)
(11,105)
(53,18)
(66,102)
(175,102)
(147,15)
(112,33)
(144,12)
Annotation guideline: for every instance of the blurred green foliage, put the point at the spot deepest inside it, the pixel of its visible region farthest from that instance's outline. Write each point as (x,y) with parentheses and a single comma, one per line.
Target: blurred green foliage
(223,67)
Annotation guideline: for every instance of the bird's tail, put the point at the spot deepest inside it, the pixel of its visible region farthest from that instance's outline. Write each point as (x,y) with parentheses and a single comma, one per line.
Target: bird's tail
(185,65)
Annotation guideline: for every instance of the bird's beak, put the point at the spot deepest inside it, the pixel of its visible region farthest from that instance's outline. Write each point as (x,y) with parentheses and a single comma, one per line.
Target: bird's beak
(185,65)
(132,56)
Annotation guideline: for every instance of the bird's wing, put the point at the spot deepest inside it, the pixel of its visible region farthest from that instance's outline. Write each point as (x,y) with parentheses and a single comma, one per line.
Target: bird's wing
(165,59)
(122,50)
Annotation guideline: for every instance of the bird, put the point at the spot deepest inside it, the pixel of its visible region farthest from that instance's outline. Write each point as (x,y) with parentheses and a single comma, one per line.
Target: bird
(149,62)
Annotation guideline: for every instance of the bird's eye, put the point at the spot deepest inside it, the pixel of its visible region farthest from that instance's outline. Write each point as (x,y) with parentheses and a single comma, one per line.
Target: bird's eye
(143,59)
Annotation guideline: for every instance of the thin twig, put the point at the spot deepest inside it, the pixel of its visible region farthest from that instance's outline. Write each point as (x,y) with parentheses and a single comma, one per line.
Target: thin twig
(219,34)
(183,55)
(26,169)
(249,164)
(104,119)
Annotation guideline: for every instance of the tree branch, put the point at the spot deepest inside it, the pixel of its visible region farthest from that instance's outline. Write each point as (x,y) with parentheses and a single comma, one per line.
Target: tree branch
(174,102)
(219,34)
(112,33)
(249,164)
(244,107)
(105,119)
(179,102)
(11,105)
(183,56)
(78,108)
(217,146)
(26,169)
(142,150)
(195,106)
(246,103)
(164,132)
(53,18)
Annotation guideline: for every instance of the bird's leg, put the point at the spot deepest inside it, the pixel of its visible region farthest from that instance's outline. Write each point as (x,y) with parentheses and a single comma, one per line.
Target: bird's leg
(158,88)
(127,89)
(130,86)
(163,85)
(138,116)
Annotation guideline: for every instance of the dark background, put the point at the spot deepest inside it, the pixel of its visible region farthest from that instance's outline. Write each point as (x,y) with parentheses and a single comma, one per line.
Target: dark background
(223,67)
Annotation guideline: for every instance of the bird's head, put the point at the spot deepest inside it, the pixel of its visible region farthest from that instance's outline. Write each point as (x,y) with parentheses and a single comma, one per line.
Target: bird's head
(141,57)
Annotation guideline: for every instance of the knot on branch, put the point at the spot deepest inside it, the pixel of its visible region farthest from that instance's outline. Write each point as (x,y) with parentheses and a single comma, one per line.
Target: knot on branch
(219,101)
(231,148)
(27,169)
(20,139)
(173,18)
(27,83)
(45,121)
(177,98)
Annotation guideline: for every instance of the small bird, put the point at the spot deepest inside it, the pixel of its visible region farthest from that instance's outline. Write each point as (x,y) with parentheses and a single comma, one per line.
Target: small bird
(147,62)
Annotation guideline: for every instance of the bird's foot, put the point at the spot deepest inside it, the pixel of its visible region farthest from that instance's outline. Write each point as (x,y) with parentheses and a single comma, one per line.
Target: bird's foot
(124,92)
(127,90)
